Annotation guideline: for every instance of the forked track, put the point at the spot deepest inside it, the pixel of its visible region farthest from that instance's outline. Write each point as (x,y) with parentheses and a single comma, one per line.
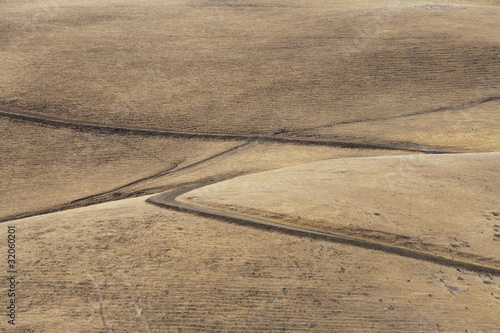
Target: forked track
(94,198)
(168,200)
(89,125)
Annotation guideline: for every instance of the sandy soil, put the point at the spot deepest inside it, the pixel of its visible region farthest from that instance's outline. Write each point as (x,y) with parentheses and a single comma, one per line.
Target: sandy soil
(144,268)
(446,204)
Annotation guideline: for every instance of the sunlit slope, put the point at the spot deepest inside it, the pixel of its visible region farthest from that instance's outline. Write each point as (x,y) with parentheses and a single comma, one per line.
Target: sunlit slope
(255,157)
(473,128)
(443,204)
(42,167)
(133,267)
(246,66)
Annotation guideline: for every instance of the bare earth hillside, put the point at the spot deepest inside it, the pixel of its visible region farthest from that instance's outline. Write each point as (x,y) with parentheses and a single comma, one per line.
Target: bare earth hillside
(446,204)
(49,168)
(129,266)
(246,66)
(44,167)
(373,120)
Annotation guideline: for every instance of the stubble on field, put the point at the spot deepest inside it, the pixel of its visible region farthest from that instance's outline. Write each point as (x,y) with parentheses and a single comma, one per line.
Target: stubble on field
(251,67)
(43,167)
(407,74)
(442,204)
(137,267)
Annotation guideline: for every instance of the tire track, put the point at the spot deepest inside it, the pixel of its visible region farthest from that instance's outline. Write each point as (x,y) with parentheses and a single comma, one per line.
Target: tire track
(465,106)
(168,200)
(110,128)
(104,196)
(166,172)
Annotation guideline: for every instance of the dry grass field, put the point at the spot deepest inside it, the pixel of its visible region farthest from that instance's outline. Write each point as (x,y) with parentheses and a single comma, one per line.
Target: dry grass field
(49,168)
(471,129)
(406,74)
(45,167)
(253,158)
(445,204)
(138,268)
(248,66)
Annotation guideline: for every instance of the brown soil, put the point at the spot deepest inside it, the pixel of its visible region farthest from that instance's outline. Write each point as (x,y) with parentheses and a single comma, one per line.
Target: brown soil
(253,158)
(44,167)
(467,128)
(51,168)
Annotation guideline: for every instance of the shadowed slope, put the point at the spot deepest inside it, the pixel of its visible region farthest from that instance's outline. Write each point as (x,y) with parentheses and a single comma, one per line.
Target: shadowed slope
(247,67)
(44,167)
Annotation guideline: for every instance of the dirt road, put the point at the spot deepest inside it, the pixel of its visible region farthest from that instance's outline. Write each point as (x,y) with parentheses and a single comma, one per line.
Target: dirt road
(168,200)
(102,127)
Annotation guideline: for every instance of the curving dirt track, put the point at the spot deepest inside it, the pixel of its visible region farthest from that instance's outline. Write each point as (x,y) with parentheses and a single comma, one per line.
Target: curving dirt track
(117,99)
(102,127)
(98,151)
(168,200)
(114,194)
(133,264)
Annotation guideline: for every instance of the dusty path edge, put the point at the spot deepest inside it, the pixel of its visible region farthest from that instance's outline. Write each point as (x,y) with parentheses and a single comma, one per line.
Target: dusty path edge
(168,200)
(111,128)
(99,198)
(461,107)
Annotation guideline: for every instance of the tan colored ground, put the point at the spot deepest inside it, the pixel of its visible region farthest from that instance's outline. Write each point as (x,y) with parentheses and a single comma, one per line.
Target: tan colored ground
(253,158)
(44,167)
(446,204)
(471,129)
(343,70)
(251,66)
(169,272)
(48,167)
